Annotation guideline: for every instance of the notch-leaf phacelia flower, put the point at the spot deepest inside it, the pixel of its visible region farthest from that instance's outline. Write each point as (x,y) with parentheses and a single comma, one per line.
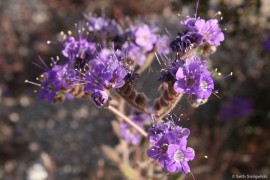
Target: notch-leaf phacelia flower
(209,29)
(79,52)
(59,78)
(145,37)
(169,143)
(199,32)
(193,78)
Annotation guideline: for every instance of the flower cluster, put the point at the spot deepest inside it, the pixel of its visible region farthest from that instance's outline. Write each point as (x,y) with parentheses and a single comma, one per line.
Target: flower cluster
(198,32)
(96,59)
(169,147)
(105,55)
(188,72)
(190,76)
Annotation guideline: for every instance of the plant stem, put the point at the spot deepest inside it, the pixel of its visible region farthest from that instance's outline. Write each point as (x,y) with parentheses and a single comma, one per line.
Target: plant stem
(126,119)
(132,103)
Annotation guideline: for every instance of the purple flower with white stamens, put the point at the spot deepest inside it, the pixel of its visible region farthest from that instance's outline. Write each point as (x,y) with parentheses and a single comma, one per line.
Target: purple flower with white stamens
(118,77)
(67,75)
(210,30)
(193,78)
(178,157)
(96,77)
(156,132)
(206,85)
(188,77)
(169,147)
(50,86)
(56,79)
(78,50)
(145,37)
(113,65)
(134,52)
(105,72)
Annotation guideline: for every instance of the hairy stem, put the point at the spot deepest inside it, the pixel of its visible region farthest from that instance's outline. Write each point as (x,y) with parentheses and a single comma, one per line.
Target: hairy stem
(127,120)
(136,100)
(167,100)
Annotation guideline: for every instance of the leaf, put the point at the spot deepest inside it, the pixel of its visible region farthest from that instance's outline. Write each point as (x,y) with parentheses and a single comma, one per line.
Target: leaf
(111,153)
(129,172)
(115,126)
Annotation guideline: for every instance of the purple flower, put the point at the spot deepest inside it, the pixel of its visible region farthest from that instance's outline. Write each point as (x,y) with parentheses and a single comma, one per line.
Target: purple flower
(54,80)
(193,78)
(236,107)
(100,98)
(51,85)
(189,24)
(145,37)
(134,52)
(156,132)
(78,50)
(185,42)
(178,157)
(210,30)
(169,73)
(67,75)
(162,45)
(113,65)
(118,77)
(188,77)
(105,72)
(206,85)
(97,23)
(96,77)
(169,147)
(106,27)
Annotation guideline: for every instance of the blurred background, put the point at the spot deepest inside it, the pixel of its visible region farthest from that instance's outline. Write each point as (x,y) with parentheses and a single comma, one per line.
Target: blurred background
(38,140)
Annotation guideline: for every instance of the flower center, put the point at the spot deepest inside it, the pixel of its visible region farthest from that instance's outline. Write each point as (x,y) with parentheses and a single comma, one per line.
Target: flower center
(190,81)
(178,156)
(164,148)
(51,88)
(144,38)
(204,85)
